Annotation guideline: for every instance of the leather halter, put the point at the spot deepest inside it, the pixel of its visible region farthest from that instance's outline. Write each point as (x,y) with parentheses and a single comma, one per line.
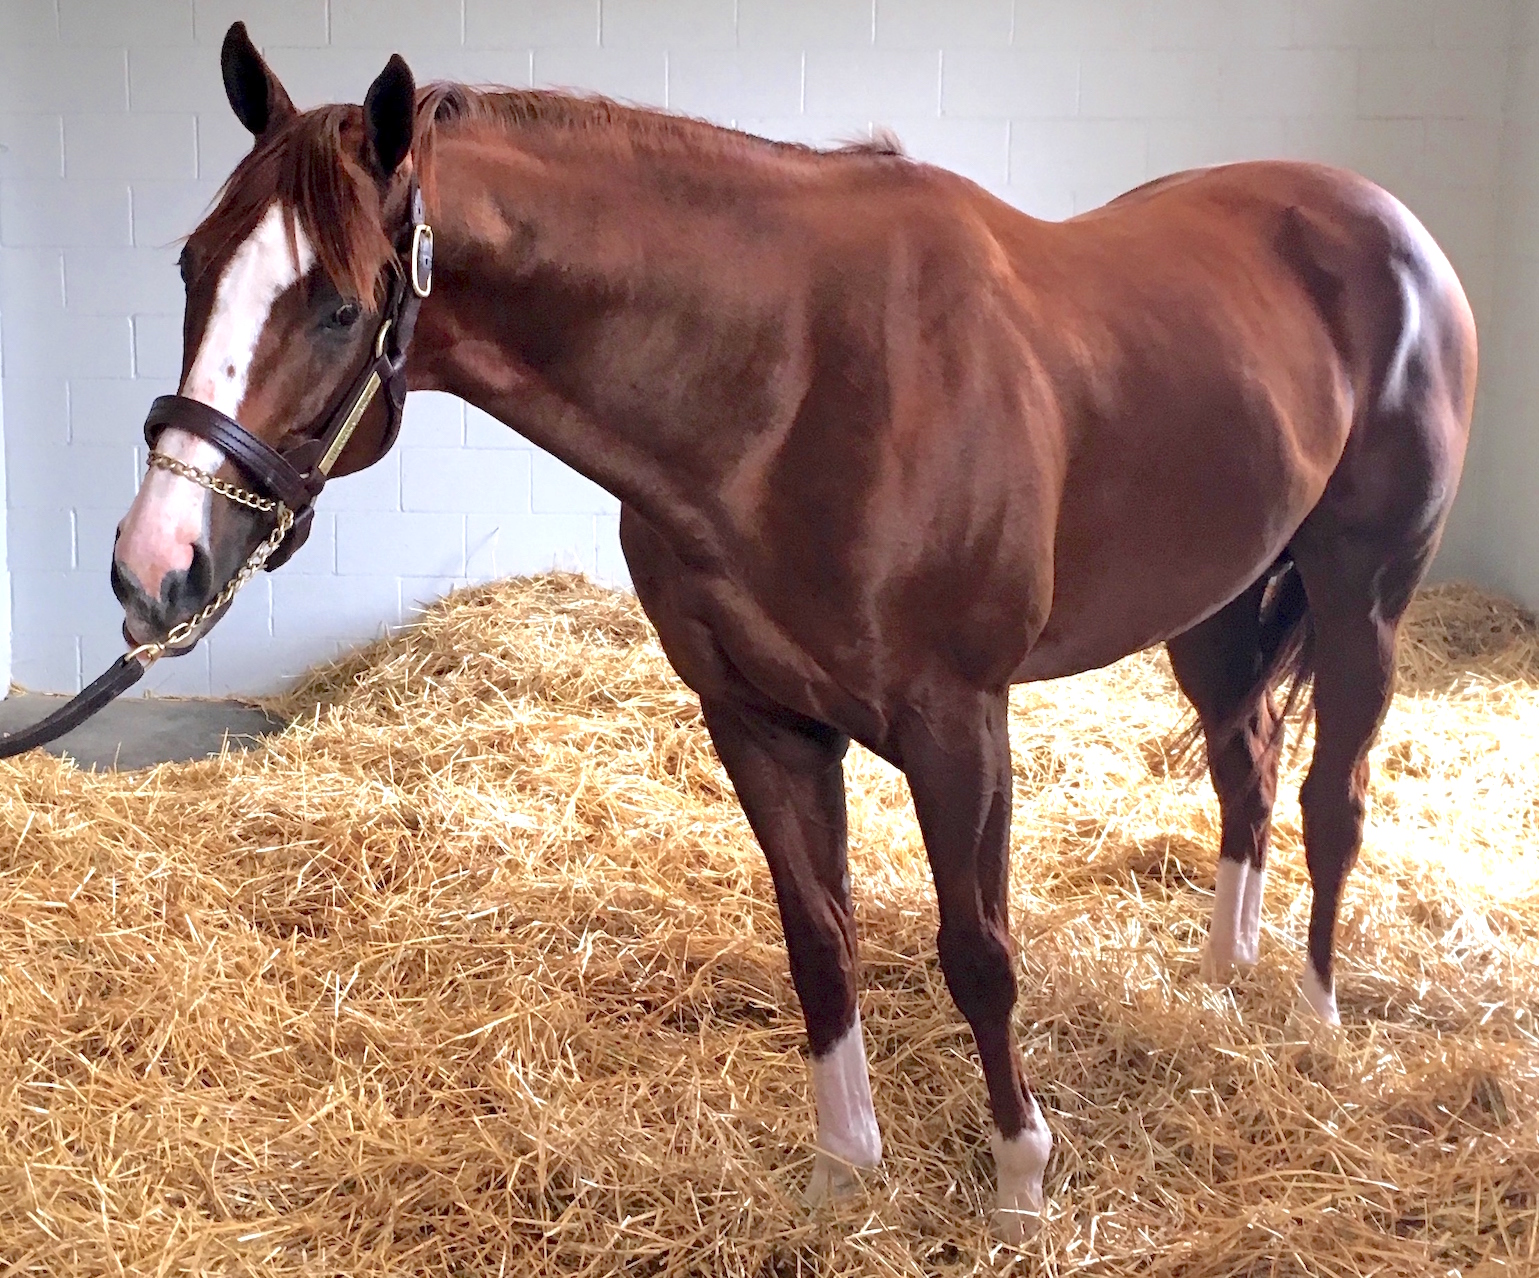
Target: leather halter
(294,478)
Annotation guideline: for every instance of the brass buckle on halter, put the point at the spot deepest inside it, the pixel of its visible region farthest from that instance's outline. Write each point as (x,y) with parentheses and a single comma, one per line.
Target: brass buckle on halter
(422,259)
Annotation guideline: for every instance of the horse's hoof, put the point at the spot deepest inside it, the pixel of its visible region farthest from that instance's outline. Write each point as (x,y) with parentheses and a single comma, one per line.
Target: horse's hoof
(1014,1226)
(1316,1008)
(1020,1163)
(832,1179)
(1221,963)
(1216,969)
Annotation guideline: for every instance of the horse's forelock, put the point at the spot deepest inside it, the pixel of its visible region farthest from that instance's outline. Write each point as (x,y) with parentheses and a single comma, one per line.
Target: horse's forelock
(312,168)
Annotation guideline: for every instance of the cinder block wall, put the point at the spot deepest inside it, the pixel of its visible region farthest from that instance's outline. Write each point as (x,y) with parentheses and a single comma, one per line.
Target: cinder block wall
(118,135)
(1498,523)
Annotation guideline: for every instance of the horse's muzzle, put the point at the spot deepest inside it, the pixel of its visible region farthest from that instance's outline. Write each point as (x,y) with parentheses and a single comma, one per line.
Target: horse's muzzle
(182,593)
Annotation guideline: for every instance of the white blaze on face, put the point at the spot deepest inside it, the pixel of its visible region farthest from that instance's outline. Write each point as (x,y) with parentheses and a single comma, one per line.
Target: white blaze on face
(170,513)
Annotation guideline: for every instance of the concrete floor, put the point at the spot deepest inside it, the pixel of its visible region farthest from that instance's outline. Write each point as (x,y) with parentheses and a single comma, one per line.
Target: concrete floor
(136,732)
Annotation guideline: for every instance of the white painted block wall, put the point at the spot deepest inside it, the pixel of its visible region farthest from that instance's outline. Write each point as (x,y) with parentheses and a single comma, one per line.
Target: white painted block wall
(118,135)
(1502,531)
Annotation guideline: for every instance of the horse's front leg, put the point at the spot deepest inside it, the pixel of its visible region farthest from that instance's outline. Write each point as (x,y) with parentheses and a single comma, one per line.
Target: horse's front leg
(956,755)
(789,776)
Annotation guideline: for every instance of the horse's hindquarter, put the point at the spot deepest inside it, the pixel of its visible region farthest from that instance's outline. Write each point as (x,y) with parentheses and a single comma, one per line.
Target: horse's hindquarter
(1205,400)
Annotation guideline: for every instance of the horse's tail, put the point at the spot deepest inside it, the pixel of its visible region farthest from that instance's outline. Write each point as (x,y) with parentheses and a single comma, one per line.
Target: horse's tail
(1286,660)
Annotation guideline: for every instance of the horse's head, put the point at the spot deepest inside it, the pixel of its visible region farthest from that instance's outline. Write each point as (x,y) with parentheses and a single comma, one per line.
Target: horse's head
(285,283)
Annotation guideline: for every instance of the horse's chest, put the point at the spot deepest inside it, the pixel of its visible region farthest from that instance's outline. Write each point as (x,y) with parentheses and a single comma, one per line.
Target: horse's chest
(729,641)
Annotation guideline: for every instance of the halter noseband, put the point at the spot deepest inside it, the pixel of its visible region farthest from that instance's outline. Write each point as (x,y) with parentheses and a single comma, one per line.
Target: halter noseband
(289,482)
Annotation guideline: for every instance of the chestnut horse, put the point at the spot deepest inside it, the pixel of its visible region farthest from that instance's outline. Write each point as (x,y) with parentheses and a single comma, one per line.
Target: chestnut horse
(884,447)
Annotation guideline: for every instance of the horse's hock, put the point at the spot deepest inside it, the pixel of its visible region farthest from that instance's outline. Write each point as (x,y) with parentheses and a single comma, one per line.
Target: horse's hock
(477,968)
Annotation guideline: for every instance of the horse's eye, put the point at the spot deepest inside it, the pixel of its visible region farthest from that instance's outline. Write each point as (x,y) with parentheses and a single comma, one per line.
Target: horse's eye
(346,315)
(184,265)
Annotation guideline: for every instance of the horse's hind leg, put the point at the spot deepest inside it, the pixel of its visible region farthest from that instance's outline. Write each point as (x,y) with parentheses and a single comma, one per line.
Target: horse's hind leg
(789,776)
(1357,596)
(956,755)
(1220,665)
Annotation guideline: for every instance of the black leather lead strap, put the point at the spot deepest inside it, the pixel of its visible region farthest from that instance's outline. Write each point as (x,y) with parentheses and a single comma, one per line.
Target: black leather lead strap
(119,677)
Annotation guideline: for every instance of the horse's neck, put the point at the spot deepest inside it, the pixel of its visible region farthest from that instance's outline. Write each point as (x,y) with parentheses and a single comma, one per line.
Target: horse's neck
(602,339)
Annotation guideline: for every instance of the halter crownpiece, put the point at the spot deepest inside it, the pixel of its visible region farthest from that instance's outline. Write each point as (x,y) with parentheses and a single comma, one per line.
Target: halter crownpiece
(288,482)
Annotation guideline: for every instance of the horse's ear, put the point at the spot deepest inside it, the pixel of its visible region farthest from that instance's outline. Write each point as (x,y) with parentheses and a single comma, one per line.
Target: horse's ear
(256,97)
(387,115)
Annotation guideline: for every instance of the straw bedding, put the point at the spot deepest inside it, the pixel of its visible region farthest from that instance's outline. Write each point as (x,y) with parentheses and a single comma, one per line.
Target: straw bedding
(476,970)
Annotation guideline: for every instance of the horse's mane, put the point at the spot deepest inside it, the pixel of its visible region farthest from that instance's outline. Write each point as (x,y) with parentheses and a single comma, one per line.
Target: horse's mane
(446,103)
(311,166)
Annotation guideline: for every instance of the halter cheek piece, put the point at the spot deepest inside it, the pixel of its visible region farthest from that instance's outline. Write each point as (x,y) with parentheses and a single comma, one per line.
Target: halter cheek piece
(293,479)
(288,482)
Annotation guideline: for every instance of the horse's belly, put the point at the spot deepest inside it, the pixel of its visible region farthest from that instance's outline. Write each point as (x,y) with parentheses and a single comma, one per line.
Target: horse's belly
(1089,638)
(1123,586)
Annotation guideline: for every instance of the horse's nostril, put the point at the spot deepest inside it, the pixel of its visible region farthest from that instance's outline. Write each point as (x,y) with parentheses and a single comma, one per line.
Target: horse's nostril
(126,591)
(186,590)
(200,573)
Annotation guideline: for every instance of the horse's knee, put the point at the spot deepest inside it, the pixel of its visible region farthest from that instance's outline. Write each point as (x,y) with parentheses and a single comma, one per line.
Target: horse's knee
(979,973)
